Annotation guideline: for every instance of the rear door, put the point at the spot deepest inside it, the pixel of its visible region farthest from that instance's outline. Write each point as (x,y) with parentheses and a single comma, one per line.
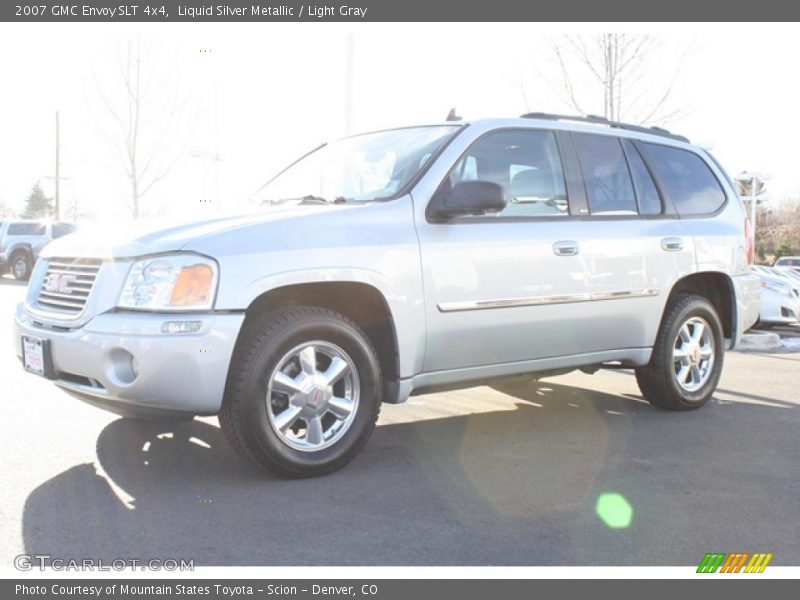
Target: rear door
(633,244)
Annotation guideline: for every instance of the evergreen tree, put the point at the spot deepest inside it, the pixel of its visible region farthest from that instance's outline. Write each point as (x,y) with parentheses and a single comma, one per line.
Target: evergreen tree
(37,205)
(785,249)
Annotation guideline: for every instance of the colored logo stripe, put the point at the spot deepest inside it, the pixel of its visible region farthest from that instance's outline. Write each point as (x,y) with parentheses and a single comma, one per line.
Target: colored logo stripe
(758,563)
(734,562)
(711,562)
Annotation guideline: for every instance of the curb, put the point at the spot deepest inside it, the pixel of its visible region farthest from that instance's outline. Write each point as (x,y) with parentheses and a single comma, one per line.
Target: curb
(759,340)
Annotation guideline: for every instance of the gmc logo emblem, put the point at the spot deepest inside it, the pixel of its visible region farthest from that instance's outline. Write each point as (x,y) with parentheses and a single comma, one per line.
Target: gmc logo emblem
(59,283)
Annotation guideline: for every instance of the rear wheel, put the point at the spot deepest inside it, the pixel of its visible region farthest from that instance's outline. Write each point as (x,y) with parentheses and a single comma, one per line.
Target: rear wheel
(687,358)
(303,393)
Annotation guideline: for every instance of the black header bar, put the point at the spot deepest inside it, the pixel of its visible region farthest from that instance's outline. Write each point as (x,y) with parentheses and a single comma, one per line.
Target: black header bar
(155,11)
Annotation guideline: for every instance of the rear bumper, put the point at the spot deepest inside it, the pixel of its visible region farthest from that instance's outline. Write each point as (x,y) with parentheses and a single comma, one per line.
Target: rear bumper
(124,360)
(747,289)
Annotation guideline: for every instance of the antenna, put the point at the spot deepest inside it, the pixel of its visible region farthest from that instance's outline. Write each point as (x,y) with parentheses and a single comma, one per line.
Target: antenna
(452,116)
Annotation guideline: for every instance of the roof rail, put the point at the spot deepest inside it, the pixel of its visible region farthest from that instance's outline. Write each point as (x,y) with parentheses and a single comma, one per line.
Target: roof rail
(597,120)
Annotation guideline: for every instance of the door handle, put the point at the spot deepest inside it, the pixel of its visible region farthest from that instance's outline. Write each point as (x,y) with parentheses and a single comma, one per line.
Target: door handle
(566,248)
(672,244)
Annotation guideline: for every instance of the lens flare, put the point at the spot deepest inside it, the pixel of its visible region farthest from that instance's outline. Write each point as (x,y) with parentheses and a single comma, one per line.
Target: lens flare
(613,510)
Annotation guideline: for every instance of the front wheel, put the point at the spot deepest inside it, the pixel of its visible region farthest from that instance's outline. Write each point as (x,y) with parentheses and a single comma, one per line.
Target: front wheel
(21,264)
(686,363)
(303,393)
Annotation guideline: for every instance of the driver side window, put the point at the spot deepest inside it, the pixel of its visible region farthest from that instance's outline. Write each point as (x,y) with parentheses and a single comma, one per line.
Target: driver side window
(525,163)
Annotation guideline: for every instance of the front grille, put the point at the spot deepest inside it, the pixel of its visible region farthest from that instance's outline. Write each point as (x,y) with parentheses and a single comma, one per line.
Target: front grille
(67,284)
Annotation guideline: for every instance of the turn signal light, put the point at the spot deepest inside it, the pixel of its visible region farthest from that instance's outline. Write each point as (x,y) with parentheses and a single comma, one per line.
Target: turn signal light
(193,286)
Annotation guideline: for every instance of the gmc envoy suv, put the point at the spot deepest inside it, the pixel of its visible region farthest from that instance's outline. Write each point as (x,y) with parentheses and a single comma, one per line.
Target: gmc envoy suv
(401,262)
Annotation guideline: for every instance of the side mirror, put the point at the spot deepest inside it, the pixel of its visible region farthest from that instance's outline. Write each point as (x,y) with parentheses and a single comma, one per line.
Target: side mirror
(471,198)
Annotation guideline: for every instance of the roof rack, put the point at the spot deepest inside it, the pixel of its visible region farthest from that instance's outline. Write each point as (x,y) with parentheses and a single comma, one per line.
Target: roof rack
(598,120)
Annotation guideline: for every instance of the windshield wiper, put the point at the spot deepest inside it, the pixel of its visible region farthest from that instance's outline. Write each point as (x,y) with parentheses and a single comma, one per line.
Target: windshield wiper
(309,199)
(312,199)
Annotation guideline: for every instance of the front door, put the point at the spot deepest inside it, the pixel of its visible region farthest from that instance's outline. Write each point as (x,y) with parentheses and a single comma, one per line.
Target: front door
(510,286)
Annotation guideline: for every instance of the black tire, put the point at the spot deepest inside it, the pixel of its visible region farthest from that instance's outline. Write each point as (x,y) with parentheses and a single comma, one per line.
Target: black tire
(262,345)
(19,258)
(657,380)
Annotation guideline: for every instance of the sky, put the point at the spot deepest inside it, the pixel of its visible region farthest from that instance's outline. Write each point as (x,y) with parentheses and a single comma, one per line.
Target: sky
(251,97)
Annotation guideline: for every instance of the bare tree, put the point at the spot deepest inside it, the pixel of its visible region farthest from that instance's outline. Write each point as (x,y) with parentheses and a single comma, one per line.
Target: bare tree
(143,106)
(74,211)
(778,231)
(623,68)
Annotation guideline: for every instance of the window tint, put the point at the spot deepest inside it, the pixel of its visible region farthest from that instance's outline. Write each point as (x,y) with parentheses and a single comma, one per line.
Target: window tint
(62,229)
(465,170)
(646,191)
(605,172)
(526,163)
(689,182)
(26,229)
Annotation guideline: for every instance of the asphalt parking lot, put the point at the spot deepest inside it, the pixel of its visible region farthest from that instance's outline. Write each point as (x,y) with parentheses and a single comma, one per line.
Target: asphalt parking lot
(576,469)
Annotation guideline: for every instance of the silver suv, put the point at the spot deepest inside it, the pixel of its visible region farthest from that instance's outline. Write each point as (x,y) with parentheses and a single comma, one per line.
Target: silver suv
(22,240)
(404,261)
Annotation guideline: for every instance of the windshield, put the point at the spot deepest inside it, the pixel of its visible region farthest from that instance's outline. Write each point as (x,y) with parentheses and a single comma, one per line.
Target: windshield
(365,167)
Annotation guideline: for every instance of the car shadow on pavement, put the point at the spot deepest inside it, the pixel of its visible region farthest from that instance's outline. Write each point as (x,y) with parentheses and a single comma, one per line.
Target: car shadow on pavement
(9,280)
(563,475)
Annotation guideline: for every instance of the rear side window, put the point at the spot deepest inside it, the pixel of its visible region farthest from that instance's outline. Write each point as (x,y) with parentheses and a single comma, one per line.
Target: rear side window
(605,171)
(687,179)
(646,191)
(26,229)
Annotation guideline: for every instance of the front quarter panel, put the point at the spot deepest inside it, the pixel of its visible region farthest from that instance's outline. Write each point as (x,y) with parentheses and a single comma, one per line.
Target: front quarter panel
(373,244)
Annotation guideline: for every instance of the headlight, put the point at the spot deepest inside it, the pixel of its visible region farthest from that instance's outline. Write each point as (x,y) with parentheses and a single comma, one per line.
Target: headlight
(172,282)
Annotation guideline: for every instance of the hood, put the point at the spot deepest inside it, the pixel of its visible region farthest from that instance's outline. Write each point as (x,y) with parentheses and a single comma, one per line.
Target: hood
(154,237)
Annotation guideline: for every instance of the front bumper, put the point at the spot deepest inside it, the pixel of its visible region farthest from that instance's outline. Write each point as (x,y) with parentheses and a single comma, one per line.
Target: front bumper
(777,309)
(124,359)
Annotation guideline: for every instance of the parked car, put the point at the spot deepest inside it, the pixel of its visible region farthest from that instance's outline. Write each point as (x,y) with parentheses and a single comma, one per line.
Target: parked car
(401,262)
(790,262)
(780,297)
(786,274)
(22,240)
(790,273)
(780,304)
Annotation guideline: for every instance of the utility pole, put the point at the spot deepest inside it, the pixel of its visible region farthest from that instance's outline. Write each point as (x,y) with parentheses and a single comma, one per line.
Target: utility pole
(348,83)
(57,178)
(57,207)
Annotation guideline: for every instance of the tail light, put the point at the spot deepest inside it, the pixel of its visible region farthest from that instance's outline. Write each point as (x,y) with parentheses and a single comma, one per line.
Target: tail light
(749,241)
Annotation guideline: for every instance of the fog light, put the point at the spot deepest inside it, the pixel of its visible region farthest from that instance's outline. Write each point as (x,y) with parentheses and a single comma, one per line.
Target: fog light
(124,368)
(181,326)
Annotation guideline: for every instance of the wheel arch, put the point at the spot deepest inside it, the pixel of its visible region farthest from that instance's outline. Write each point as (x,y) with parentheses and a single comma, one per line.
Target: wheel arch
(361,302)
(20,247)
(716,287)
